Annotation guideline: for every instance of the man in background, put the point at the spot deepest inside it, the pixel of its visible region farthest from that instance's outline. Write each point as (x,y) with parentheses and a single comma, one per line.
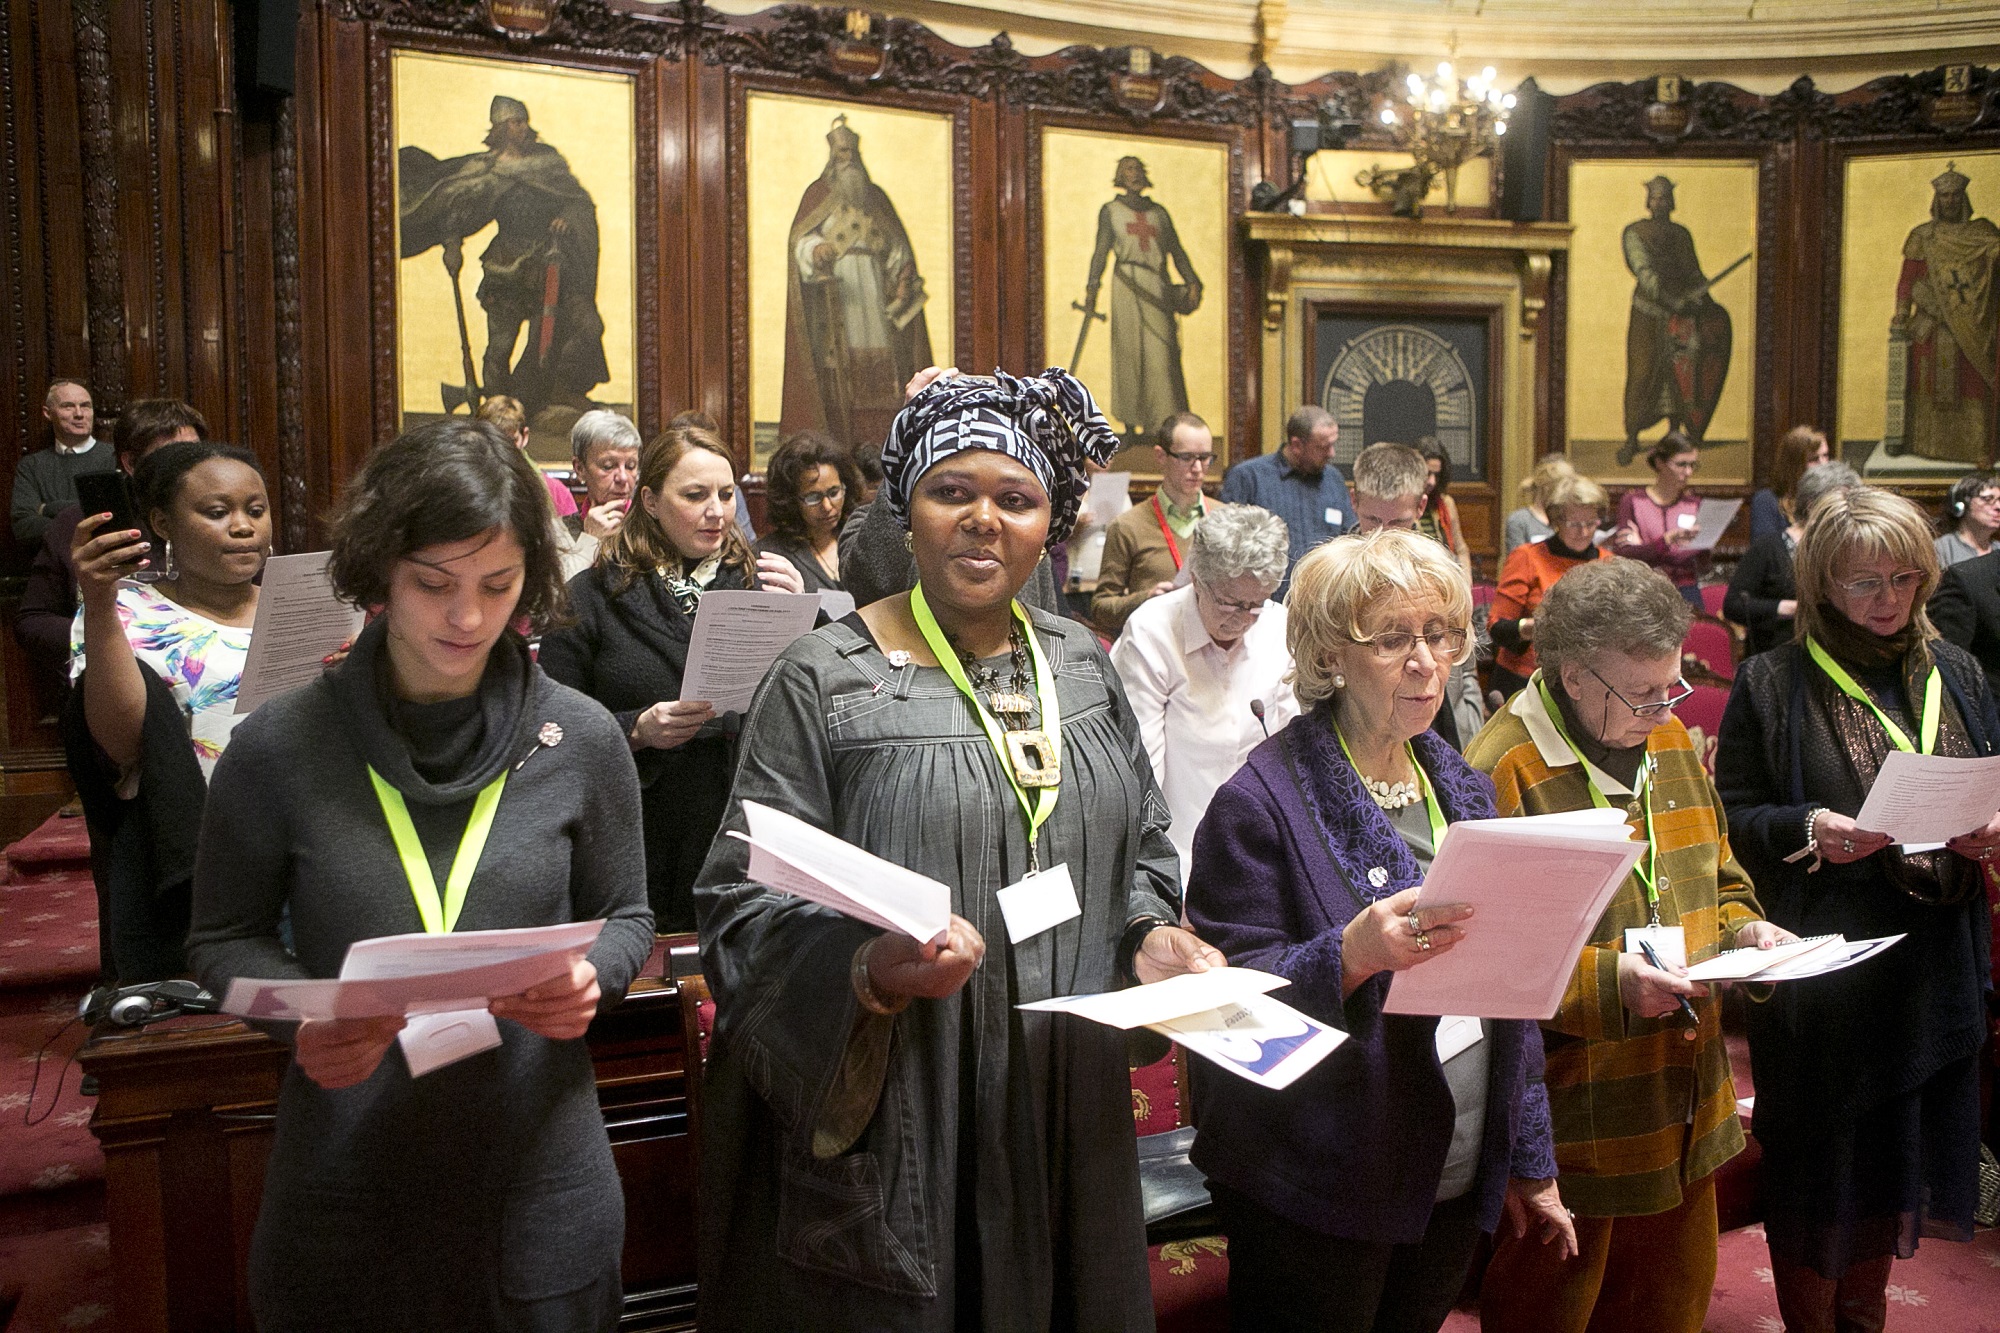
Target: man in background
(1145,547)
(49,599)
(1297,483)
(45,480)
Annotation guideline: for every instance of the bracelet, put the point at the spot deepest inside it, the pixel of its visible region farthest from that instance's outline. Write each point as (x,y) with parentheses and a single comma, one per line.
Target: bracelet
(1134,939)
(1811,849)
(864,989)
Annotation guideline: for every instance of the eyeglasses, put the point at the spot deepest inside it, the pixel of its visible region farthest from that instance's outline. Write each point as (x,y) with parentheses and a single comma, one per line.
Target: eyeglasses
(1197,460)
(1446,645)
(1224,604)
(1659,707)
(832,495)
(1985,498)
(1868,589)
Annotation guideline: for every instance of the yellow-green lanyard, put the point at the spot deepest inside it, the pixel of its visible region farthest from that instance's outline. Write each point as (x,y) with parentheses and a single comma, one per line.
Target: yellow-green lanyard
(1933,701)
(1642,792)
(440,917)
(1431,807)
(1038,810)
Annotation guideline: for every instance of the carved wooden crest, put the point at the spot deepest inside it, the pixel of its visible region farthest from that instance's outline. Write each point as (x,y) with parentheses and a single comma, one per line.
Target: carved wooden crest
(857,56)
(1668,114)
(1139,89)
(1956,107)
(525,19)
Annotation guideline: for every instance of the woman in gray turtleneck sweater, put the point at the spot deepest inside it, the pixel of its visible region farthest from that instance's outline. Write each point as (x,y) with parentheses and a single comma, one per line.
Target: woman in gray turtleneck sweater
(481,1196)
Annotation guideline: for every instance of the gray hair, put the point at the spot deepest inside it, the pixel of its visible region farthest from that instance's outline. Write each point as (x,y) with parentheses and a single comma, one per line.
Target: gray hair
(1301,424)
(601,426)
(1388,471)
(1234,540)
(1609,606)
(1816,483)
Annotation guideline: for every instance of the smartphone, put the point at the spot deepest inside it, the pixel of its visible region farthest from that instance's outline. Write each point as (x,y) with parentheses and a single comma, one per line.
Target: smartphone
(111,493)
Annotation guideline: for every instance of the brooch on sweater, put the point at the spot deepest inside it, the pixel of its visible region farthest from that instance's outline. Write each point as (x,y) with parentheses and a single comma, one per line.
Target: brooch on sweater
(548,738)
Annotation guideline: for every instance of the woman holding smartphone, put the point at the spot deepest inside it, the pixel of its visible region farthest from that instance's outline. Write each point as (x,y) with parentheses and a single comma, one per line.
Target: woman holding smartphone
(158,700)
(480,1197)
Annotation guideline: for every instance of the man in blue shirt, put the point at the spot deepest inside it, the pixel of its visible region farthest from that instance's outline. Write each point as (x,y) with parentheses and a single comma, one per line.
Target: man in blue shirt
(1298,483)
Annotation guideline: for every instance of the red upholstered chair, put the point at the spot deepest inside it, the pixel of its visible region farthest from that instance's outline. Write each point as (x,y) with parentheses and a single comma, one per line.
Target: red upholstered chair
(1701,714)
(1187,1261)
(1710,650)
(1711,598)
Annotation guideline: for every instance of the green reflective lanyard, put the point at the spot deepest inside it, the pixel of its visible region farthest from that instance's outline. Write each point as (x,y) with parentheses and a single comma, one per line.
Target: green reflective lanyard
(1641,791)
(1933,701)
(440,917)
(1432,810)
(1038,809)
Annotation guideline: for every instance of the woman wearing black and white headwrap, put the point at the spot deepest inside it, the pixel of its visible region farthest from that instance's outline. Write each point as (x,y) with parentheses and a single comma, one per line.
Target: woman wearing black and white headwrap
(888,1142)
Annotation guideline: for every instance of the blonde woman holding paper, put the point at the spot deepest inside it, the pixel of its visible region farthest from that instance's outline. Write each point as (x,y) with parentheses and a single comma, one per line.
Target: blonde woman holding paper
(888,1142)
(1354,1199)
(1867,1081)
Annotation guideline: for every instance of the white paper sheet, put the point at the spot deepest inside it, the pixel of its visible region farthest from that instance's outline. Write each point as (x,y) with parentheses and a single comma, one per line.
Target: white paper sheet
(836,602)
(790,855)
(420,974)
(1162,1001)
(299,622)
(1537,887)
(1752,964)
(1258,1037)
(737,635)
(1713,520)
(1929,798)
(1817,964)
(1110,496)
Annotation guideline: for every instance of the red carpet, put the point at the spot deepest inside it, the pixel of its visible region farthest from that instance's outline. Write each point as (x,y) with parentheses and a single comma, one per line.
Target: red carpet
(67,1276)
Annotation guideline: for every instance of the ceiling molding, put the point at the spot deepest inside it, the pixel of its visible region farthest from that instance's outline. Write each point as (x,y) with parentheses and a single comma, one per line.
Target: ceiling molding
(1759,45)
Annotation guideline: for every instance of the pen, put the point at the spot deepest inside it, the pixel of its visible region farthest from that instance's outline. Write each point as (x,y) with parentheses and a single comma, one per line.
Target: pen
(1654,959)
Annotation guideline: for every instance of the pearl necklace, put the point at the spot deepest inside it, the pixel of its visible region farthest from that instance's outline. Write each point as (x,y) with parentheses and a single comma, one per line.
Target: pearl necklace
(1391,795)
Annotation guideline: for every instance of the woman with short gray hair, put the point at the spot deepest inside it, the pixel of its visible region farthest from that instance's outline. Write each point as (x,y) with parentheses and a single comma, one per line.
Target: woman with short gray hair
(606,449)
(1638,1076)
(1763,592)
(1205,665)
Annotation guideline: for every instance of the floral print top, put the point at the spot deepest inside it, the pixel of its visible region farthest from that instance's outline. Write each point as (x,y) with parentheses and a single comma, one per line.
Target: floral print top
(200,660)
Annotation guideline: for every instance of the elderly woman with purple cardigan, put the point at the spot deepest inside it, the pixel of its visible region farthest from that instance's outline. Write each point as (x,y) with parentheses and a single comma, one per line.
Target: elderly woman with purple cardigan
(1353,1200)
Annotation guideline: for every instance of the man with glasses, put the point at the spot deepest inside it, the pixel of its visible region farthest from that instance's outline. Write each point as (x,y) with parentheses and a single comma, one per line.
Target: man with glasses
(1145,547)
(1638,1076)
(1204,666)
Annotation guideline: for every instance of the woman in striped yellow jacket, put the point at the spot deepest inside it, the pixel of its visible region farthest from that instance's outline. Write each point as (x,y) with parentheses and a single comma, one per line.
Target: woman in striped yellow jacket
(1638,1077)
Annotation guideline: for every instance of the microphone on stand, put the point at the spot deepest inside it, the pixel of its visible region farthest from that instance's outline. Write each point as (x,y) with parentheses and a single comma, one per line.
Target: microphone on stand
(1257,708)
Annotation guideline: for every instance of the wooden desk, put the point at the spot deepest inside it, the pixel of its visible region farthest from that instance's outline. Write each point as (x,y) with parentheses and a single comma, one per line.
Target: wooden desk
(185,1112)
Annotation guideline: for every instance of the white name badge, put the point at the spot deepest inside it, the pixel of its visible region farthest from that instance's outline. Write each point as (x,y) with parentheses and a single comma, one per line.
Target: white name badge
(1669,942)
(432,1041)
(1332,517)
(1456,1033)
(1038,903)
(1688,520)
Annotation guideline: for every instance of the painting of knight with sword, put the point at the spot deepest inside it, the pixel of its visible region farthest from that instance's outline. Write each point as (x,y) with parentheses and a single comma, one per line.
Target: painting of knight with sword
(539,272)
(1677,342)
(1136,237)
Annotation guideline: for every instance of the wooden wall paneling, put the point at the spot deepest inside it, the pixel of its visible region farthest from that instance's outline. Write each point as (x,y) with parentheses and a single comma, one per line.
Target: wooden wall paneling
(382,258)
(709,321)
(674,193)
(255,358)
(99,168)
(143,141)
(1045,346)
(1016,204)
(986,163)
(204,250)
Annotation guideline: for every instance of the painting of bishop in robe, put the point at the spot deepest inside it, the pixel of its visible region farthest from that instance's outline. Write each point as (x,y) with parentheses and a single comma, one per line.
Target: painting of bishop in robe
(855,330)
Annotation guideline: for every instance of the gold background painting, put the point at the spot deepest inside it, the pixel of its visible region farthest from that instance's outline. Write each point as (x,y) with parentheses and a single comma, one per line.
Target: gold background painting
(1717,202)
(1191,181)
(1885,197)
(441,104)
(907,153)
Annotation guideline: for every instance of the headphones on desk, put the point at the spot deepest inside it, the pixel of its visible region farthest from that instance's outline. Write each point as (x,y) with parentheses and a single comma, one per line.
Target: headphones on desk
(136,1006)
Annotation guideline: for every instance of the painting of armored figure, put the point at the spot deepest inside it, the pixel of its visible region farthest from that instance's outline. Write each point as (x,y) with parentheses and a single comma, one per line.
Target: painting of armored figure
(1137,241)
(514,237)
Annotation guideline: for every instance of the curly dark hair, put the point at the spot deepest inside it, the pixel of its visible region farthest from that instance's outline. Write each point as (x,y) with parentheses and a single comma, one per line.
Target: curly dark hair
(446,481)
(795,460)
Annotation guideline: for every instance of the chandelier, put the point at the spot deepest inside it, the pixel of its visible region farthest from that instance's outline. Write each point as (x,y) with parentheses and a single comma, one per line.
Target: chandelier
(1445,121)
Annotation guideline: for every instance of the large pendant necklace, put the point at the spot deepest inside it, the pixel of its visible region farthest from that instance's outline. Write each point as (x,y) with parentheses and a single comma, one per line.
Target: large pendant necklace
(1032,755)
